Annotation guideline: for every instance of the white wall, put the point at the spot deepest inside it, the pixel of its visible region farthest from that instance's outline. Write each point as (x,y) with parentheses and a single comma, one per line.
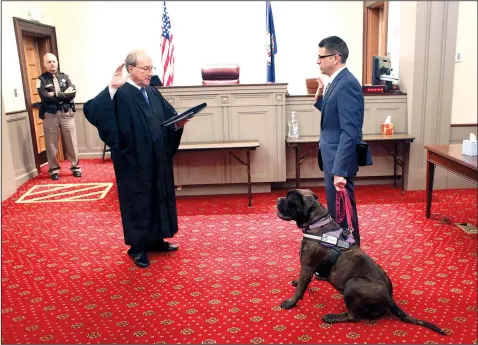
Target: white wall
(408,13)
(95,39)
(464,86)
(11,74)
(393,39)
(301,25)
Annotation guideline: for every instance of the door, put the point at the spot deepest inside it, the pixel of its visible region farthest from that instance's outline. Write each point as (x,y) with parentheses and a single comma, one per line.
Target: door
(34,66)
(34,40)
(374,35)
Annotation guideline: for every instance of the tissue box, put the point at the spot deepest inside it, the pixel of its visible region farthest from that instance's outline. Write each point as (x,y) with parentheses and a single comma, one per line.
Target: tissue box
(386,128)
(469,147)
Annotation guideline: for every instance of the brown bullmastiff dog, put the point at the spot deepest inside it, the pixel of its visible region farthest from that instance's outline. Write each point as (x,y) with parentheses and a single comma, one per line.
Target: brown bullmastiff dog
(366,288)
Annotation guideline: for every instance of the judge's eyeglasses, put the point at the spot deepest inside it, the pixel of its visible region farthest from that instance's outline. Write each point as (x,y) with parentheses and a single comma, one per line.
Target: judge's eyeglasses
(147,69)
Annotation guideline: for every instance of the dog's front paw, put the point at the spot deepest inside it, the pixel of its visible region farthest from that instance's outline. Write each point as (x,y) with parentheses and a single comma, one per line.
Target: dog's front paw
(294,282)
(287,304)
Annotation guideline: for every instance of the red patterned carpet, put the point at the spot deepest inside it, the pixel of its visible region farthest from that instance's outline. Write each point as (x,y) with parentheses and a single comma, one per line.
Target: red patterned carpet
(66,277)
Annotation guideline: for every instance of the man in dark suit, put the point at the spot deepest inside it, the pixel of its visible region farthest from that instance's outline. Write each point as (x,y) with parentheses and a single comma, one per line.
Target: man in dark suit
(341,104)
(127,114)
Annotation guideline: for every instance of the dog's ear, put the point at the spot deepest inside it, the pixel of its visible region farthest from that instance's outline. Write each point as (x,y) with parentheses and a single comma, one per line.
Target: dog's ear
(295,203)
(310,203)
(294,198)
(316,210)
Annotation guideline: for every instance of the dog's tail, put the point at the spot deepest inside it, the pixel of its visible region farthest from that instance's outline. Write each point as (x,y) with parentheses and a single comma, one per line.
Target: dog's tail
(395,309)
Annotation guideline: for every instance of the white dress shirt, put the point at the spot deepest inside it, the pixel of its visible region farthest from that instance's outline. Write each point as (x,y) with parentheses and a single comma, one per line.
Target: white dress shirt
(332,77)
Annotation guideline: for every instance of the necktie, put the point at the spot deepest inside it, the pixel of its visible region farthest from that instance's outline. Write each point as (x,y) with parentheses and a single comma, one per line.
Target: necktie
(153,125)
(143,91)
(57,85)
(326,88)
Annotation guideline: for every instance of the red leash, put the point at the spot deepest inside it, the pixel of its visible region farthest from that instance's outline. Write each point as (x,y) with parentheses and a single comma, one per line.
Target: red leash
(347,211)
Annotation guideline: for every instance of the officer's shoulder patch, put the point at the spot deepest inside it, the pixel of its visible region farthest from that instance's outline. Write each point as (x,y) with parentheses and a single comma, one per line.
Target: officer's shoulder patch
(38,83)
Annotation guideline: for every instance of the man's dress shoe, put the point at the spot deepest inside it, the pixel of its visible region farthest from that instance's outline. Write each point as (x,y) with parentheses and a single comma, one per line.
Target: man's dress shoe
(163,247)
(139,258)
(55,176)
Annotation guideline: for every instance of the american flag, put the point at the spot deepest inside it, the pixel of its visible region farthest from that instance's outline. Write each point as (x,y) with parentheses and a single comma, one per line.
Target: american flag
(167,50)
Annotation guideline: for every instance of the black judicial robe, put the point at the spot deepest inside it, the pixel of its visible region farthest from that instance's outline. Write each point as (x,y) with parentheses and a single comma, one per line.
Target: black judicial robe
(142,153)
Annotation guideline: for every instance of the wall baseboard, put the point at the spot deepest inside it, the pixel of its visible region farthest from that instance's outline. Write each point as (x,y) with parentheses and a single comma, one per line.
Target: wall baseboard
(21,179)
(89,155)
(222,189)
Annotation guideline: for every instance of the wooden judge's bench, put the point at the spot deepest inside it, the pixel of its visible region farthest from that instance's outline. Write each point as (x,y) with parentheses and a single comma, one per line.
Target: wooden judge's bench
(259,113)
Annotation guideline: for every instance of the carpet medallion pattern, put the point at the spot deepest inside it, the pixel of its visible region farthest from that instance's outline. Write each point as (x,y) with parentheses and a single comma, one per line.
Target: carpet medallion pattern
(66,277)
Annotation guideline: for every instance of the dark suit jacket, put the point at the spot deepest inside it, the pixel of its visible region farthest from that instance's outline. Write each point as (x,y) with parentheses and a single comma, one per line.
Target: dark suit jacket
(342,110)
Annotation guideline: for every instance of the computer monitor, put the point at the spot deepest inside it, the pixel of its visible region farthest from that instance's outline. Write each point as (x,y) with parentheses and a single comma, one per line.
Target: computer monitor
(380,65)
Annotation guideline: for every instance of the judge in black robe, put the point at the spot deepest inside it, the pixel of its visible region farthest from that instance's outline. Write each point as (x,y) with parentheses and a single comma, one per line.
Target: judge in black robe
(142,153)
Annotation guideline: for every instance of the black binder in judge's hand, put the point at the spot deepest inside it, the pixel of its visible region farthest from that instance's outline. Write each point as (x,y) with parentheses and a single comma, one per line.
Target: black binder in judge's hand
(188,114)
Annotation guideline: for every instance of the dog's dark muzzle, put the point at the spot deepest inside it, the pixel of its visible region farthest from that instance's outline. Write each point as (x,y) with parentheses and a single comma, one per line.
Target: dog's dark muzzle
(282,210)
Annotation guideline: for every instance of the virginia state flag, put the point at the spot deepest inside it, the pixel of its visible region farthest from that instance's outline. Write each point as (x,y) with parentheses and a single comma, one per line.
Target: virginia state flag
(271,44)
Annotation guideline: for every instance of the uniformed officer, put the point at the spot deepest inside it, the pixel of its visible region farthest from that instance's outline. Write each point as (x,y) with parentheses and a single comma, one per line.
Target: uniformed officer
(58,110)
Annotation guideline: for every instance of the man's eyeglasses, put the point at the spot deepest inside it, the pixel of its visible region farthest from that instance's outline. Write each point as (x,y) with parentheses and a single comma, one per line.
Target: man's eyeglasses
(320,57)
(147,69)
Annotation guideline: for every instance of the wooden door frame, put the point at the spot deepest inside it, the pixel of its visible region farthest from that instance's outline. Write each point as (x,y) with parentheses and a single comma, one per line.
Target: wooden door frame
(368,6)
(30,28)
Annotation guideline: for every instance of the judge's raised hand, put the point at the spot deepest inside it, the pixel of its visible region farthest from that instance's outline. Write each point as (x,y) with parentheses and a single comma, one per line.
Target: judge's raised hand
(118,80)
(320,89)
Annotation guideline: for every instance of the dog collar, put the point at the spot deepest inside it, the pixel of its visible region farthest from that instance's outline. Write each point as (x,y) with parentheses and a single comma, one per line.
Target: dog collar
(317,224)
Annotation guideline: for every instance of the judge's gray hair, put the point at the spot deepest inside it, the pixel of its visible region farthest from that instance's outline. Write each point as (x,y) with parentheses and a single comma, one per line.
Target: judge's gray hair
(132,58)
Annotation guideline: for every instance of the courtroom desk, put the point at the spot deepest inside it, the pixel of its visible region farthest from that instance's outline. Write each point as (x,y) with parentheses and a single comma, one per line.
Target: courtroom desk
(376,109)
(450,158)
(397,140)
(236,112)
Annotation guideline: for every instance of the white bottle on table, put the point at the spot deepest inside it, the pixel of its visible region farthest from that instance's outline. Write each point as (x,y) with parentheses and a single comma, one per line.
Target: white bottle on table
(293,126)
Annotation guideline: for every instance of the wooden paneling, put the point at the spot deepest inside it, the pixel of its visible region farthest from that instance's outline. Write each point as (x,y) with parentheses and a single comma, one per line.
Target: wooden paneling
(377,108)
(234,112)
(254,124)
(20,145)
(460,132)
